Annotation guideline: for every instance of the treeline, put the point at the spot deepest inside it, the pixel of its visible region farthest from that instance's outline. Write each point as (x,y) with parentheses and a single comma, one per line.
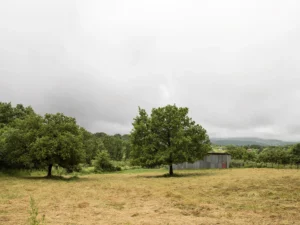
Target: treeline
(167,136)
(273,155)
(31,141)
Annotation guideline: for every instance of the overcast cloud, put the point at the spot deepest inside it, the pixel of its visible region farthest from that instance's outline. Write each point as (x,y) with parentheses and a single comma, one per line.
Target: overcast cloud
(235,64)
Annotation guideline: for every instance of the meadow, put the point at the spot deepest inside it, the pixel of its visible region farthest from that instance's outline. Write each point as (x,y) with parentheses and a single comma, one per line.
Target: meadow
(141,196)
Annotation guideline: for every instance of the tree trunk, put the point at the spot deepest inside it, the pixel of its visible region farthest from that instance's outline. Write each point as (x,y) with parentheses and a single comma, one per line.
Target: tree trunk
(49,170)
(171,170)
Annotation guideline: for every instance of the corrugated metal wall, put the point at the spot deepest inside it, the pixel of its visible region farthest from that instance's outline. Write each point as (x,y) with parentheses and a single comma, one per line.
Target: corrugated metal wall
(209,161)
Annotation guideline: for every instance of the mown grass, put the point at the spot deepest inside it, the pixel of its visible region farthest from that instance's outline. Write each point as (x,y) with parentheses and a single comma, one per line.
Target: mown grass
(233,196)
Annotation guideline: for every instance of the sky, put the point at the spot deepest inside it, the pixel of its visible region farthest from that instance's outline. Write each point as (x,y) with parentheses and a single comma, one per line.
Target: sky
(235,64)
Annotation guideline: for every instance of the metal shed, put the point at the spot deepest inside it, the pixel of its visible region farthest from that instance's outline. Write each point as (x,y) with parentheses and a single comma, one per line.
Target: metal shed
(211,160)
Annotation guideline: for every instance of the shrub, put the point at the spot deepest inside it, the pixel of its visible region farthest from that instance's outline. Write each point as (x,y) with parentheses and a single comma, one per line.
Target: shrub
(104,164)
(74,168)
(236,164)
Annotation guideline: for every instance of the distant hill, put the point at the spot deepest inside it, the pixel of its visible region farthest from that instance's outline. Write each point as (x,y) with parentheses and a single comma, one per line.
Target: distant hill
(249,141)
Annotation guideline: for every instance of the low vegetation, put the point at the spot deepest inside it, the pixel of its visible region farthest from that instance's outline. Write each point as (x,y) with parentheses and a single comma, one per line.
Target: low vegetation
(145,196)
(34,214)
(104,164)
(263,156)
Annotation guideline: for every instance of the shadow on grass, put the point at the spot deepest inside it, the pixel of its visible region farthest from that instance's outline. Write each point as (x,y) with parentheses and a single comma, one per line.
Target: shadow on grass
(55,178)
(40,175)
(179,175)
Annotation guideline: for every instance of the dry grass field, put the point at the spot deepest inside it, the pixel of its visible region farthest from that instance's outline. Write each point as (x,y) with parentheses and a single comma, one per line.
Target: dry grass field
(233,196)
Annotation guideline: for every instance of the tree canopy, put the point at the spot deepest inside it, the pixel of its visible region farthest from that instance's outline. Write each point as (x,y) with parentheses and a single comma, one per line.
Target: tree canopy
(28,140)
(31,141)
(166,137)
(59,142)
(295,153)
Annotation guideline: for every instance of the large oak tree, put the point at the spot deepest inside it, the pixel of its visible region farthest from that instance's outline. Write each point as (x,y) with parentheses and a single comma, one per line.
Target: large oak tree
(166,137)
(59,142)
(37,142)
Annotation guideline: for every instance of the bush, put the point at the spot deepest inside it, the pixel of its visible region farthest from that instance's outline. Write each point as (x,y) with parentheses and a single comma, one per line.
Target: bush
(121,164)
(125,165)
(103,163)
(15,172)
(73,168)
(236,164)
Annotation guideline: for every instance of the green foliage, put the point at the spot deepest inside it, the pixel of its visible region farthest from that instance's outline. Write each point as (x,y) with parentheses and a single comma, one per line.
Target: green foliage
(100,135)
(59,142)
(242,153)
(168,136)
(28,140)
(250,155)
(91,145)
(295,154)
(268,157)
(126,149)
(104,164)
(236,152)
(275,155)
(17,139)
(117,146)
(265,156)
(34,212)
(114,146)
(125,165)
(236,163)
(8,113)
(17,130)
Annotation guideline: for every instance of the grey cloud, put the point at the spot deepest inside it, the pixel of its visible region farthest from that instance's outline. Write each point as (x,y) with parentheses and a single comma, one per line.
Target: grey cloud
(234,64)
